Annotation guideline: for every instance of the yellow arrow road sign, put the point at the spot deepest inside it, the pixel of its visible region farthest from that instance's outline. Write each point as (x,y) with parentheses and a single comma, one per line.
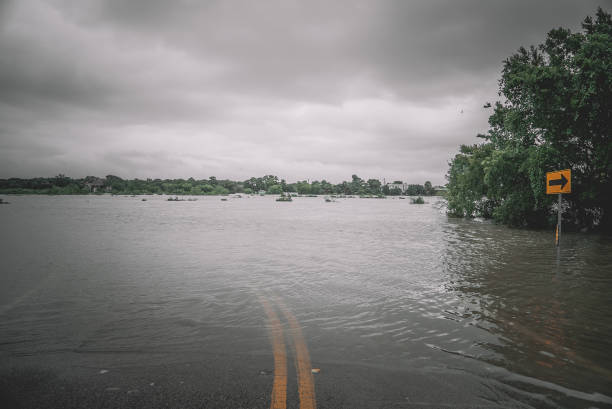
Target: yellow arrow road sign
(559,181)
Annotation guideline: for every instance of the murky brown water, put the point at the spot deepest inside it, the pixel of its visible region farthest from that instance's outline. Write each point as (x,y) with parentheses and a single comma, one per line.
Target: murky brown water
(380,286)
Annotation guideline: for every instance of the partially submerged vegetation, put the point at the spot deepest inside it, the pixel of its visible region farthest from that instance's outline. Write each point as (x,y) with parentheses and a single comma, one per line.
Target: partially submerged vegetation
(284,198)
(557,114)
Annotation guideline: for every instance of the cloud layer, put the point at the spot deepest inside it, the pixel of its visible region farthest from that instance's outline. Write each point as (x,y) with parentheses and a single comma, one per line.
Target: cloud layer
(315,89)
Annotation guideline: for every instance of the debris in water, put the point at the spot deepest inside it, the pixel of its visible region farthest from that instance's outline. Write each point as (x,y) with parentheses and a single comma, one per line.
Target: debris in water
(316,370)
(103,371)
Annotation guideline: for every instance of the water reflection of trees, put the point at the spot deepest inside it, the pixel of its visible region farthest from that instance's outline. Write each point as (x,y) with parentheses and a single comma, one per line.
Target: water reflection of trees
(551,319)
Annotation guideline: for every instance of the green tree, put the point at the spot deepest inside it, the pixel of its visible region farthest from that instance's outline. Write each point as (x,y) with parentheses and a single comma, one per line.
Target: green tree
(557,114)
(374,186)
(315,188)
(303,188)
(275,190)
(62,180)
(466,177)
(269,180)
(414,190)
(219,190)
(357,185)
(326,187)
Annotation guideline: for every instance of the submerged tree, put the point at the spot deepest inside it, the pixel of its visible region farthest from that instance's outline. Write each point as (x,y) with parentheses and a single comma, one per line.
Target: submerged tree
(557,114)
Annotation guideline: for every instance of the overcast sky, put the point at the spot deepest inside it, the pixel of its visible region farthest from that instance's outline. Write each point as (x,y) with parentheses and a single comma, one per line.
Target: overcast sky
(299,89)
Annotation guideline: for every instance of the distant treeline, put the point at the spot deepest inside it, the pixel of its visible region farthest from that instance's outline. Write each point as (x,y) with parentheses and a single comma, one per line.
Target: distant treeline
(64,185)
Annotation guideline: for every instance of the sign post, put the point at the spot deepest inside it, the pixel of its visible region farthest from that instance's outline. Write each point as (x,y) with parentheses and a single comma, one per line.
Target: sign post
(559,182)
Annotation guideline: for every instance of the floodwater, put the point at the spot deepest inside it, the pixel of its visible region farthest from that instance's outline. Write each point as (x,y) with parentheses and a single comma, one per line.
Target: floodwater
(118,302)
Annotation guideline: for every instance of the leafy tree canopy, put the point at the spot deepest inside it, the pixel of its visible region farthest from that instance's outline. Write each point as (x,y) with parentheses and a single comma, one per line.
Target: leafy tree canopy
(556,114)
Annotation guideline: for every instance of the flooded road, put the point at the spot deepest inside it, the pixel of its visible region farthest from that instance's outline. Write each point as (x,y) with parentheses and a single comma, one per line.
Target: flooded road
(117,302)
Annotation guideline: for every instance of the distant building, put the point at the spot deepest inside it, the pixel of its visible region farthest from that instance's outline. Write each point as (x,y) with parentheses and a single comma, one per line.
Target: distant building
(397,185)
(95,184)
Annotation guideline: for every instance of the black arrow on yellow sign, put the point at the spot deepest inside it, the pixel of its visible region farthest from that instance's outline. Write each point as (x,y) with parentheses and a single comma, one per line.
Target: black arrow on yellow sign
(554,182)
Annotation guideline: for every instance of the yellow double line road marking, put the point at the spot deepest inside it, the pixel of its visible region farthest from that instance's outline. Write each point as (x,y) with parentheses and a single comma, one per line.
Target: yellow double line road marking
(302,358)
(279,388)
(304,370)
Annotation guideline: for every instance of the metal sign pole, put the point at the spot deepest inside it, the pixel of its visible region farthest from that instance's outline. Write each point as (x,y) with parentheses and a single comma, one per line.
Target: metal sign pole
(559,221)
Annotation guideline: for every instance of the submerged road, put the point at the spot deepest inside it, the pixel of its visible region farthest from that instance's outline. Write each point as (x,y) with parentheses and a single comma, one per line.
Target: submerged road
(250,367)
(300,351)
(230,370)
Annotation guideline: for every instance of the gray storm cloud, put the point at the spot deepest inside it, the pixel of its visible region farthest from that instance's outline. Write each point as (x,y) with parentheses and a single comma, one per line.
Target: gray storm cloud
(236,89)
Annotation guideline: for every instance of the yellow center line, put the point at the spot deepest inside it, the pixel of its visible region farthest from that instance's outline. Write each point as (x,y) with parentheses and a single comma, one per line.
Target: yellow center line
(279,388)
(304,369)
